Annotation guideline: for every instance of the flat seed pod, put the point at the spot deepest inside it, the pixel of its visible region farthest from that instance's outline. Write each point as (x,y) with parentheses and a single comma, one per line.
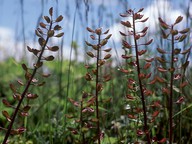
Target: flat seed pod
(107,50)
(127,23)
(182,37)
(90,54)
(51,11)
(184,31)
(144,20)
(6,103)
(160,69)
(90,30)
(107,56)
(57,27)
(41,41)
(51,33)
(47,19)
(54,48)
(186,51)
(178,20)
(49,58)
(106,31)
(161,51)
(59,35)
(42,25)
(60,18)
(6,115)
(31,96)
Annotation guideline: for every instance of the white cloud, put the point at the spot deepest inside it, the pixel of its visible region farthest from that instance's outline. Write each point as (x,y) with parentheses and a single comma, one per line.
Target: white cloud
(159,8)
(6,42)
(9,47)
(165,10)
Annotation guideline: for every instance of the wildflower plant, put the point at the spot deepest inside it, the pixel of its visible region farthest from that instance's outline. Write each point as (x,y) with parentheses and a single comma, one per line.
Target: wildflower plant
(170,64)
(135,63)
(22,92)
(90,101)
(101,40)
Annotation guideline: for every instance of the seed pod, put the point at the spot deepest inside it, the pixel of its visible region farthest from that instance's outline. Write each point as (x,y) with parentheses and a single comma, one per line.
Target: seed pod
(60,18)
(178,20)
(51,11)
(98,31)
(42,25)
(57,27)
(184,31)
(51,33)
(59,35)
(47,19)
(90,30)
(49,58)
(107,56)
(127,24)
(90,54)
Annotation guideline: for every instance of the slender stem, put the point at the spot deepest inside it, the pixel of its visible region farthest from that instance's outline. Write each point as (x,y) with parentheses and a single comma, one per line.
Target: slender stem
(171,91)
(140,84)
(96,92)
(69,67)
(25,90)
(82,122)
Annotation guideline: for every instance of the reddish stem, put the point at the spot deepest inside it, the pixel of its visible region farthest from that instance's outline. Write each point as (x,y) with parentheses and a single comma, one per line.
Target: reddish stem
(25,91)
(171,91)
(140,84)
(96,92)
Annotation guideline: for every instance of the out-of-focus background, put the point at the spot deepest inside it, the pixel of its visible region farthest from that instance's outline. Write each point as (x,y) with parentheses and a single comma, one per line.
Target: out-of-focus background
(20,18)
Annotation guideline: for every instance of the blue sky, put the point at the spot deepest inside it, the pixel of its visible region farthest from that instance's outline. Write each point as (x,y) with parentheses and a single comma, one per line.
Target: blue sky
(11,18)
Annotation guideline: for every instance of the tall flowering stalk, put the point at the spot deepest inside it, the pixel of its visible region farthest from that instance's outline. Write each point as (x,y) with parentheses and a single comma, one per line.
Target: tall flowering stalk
(134,59)
(45,32)
(173,68)
(98,36)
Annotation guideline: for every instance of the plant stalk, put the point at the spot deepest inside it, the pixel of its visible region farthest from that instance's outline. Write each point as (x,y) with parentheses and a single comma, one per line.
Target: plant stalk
(171,91)
(25,91)
(140,85)
(96,92)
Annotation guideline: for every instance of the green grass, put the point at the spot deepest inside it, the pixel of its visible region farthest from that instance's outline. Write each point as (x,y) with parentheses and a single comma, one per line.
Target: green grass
(45,122)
